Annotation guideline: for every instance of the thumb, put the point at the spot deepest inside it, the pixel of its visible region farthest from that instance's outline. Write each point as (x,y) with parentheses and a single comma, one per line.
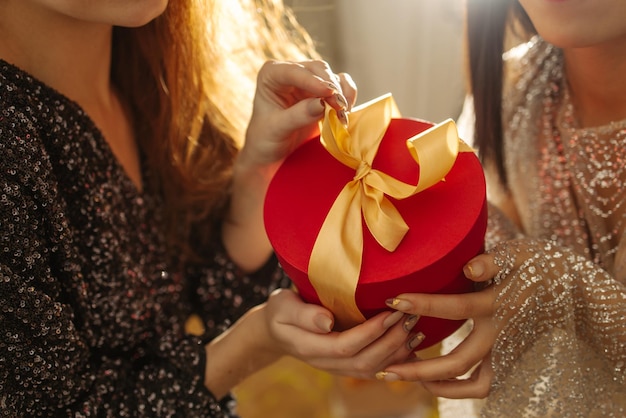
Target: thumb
(481,268)
(297,313)
(304,113)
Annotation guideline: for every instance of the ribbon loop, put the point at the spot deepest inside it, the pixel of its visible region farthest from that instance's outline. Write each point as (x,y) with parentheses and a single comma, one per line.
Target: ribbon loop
(335,263)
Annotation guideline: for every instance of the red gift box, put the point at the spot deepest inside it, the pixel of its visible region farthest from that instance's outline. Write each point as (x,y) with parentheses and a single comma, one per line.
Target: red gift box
(444,223)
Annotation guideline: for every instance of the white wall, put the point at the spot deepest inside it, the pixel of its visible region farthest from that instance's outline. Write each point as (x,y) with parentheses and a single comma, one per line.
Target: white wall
(411,48)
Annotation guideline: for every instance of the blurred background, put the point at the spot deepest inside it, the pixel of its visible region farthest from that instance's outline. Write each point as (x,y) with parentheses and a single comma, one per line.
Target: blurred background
(411,48)
(414,50)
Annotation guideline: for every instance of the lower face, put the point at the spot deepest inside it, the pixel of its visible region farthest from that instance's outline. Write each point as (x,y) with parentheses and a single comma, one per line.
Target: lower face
(578,23)
(129,13)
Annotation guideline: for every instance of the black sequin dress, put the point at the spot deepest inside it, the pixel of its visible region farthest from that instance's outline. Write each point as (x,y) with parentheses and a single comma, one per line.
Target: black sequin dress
(91,311)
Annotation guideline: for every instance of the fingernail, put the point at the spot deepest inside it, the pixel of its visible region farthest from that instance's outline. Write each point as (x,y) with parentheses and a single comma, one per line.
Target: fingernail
(392,319)
(387,376)
(343,117)
(415,341)
(341,100)
(399,304)
(410,322)
(331,86)
(323,322)
(473,270)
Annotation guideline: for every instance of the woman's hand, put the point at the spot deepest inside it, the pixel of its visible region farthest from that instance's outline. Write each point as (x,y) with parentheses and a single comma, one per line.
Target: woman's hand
(289,102)
(440,375)
(285,325)
(304,331)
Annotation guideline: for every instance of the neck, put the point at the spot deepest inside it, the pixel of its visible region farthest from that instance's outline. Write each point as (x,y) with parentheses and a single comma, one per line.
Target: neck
(71,56)
(596,80)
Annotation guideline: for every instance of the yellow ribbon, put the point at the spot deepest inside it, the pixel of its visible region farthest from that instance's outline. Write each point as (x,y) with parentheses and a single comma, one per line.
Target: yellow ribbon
(335,262)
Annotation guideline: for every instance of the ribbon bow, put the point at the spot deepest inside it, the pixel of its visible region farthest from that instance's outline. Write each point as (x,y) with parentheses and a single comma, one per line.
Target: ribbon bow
(335,263)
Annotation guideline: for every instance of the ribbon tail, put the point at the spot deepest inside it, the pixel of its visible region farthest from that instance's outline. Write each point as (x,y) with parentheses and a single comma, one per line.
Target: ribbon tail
(383,219)
(335,263)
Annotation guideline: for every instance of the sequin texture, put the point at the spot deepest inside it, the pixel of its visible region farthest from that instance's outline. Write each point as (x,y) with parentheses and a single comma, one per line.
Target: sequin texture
(561,296)
(92,310)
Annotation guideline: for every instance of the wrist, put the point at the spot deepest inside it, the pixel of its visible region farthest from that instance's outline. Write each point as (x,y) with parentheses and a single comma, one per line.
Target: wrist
(242,350)
(248,169)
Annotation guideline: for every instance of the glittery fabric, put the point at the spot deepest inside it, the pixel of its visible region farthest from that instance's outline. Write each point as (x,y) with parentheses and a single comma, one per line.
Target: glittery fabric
(92,310)
(561,293)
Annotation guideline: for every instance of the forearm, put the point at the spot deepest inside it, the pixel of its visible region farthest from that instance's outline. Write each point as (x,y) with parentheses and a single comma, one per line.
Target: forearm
(238,353)
(243,231)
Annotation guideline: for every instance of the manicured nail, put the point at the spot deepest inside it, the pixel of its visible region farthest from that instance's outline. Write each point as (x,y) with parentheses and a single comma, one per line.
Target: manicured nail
(415,341)
(473,270)
(323,322)
(332,86)
(387,376)
(341,100)
(343,117)
(410,322)
(399,304)
(392,319)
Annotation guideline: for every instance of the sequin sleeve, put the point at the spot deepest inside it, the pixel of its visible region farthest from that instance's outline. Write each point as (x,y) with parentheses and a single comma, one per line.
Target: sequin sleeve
(563,327)
(47,370)
(49,362)
(223,293)
(562,346)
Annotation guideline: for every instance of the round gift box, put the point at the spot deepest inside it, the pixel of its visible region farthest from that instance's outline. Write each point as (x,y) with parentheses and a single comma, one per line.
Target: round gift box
(446,222)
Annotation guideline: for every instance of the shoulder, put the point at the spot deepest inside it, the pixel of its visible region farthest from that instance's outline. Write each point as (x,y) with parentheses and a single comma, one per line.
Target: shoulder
(531,62)
(25,163)
(529,69)
(525,60)
(28,112)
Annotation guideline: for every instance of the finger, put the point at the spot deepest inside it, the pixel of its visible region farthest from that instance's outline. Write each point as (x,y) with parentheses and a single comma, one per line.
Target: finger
(338,99)
(360,351)
(293,328)
(390,348)
(308,317)
(304,114)
(481,268)
(456,306)
(284,76)
(354,340)
(458,362)
(477,385)
(349,88)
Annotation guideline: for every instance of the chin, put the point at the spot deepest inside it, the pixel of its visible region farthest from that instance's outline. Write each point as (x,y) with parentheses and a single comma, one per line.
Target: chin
(145,13)
(569,41)
(569,36)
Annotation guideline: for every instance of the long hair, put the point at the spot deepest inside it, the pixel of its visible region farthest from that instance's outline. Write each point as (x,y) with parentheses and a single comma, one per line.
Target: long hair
(488,24)
(189,77)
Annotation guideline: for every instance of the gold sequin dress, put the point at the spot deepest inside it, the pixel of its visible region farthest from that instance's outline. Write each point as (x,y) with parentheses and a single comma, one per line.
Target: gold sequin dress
(562,348)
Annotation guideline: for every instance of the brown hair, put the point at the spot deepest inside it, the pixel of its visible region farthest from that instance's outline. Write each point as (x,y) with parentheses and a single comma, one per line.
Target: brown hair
(189,77)
(488,24)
